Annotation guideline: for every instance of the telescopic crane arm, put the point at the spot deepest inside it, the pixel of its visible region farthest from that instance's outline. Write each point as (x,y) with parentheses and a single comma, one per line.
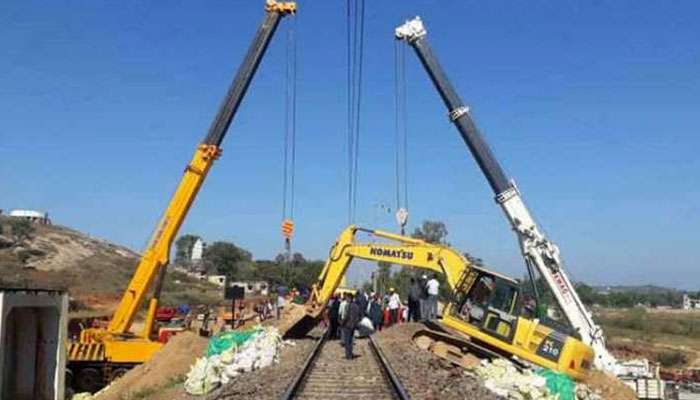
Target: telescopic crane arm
(537,250)
(156,255)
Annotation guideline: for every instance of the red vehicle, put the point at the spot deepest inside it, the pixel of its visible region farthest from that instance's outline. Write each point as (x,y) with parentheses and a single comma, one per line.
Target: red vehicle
(165,314)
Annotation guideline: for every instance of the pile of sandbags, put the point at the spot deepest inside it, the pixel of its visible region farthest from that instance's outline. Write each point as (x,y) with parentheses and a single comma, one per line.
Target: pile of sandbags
(259,350)
(583,392)
(502,378)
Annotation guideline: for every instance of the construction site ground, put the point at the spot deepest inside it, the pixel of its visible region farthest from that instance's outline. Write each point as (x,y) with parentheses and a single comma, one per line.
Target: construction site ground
(424,375)
(162,375)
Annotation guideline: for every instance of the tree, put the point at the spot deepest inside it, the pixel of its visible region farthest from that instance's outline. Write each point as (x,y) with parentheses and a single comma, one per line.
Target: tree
(476,261)
(224,257)
(183,248)
(432,232)
(383,276)
(298,259)
(21,229)
(586,293)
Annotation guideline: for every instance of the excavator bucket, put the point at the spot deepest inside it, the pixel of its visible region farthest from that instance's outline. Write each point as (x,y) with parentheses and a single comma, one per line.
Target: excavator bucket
(297,321)
(300,328)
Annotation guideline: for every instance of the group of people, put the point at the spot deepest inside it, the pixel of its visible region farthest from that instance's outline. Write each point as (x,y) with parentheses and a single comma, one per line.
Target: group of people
(346,313)
(423,298)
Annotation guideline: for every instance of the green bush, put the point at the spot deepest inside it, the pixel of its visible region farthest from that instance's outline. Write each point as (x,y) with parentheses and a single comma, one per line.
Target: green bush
(21,229)
(671,358)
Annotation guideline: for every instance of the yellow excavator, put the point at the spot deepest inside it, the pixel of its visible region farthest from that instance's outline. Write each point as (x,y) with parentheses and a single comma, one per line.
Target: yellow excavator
(486,315)
(102,354)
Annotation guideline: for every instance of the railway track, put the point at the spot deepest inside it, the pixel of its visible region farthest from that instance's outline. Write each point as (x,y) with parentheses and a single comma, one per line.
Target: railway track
(326,374)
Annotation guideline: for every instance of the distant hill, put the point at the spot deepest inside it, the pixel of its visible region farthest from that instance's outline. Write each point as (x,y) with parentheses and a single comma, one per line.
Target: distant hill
(639,289)
(94,271)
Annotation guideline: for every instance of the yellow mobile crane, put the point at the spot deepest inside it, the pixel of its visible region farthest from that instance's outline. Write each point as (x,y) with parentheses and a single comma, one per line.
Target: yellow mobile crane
(486,314)
(104,354)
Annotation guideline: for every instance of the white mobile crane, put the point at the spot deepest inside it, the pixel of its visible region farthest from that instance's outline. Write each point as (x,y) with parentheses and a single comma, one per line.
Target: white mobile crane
(538,251)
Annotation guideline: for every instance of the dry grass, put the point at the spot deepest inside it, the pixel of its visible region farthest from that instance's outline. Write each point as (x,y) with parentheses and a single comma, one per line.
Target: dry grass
(671,338)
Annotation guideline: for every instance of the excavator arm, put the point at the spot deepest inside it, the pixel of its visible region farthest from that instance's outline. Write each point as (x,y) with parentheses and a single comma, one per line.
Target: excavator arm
(404,251)
(156,256)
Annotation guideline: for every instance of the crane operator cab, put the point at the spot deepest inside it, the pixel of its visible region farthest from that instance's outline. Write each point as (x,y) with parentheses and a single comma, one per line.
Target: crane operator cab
(491,309)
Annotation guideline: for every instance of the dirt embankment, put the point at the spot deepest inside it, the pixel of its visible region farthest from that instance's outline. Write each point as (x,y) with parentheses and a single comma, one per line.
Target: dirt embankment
(425,375)
(163,373)
(610,388)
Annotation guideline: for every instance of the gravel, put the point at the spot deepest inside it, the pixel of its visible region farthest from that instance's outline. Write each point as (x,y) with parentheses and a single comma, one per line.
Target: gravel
(424,375)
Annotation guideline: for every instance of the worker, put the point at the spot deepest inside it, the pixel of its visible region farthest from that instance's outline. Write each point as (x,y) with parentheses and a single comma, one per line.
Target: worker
(414,293)
(349,324)
(433,287)
(394,306)
(423,300)
(362,302)
(281,291)
(342,309)
(333,317)
(375,312)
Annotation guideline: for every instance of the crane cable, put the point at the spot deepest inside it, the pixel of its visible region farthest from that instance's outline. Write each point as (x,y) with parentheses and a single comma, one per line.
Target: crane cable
(289,140)
(355,16)
(401,135)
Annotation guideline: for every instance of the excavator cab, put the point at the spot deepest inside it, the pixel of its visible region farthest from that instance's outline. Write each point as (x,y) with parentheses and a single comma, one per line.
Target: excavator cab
(490,302)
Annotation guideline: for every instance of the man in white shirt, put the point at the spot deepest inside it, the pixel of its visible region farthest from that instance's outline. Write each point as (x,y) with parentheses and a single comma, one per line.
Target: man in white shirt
(394,305)
(432,287)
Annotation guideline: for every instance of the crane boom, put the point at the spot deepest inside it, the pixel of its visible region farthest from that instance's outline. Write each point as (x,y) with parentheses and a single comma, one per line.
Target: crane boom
(537,250)
(156,255)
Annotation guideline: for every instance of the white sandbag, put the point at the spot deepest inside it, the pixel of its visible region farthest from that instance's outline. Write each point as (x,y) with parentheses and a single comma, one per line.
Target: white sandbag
(367,323)
(203,376)
(260,351)
(502,378)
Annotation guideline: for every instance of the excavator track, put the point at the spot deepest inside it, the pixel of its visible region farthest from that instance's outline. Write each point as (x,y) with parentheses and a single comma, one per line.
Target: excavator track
(457,348)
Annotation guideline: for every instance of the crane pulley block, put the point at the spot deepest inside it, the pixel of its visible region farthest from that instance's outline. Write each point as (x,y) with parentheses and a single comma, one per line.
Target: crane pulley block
(286,7)
(287,228)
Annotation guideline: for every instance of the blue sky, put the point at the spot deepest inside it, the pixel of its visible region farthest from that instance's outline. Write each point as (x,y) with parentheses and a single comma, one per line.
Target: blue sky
(590,106)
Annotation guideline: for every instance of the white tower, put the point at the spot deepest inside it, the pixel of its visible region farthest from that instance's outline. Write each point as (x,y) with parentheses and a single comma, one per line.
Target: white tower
(197,250)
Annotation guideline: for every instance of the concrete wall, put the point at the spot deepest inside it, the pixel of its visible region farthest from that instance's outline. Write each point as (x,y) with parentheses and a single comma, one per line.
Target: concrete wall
(32,344)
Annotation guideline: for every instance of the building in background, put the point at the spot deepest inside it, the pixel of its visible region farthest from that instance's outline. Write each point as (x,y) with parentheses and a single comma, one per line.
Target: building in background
(690,303)
(218,280)
(38,217)
(252,287)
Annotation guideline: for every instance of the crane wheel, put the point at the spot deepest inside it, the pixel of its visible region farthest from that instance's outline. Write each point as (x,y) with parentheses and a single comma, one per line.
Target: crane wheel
(88,380)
